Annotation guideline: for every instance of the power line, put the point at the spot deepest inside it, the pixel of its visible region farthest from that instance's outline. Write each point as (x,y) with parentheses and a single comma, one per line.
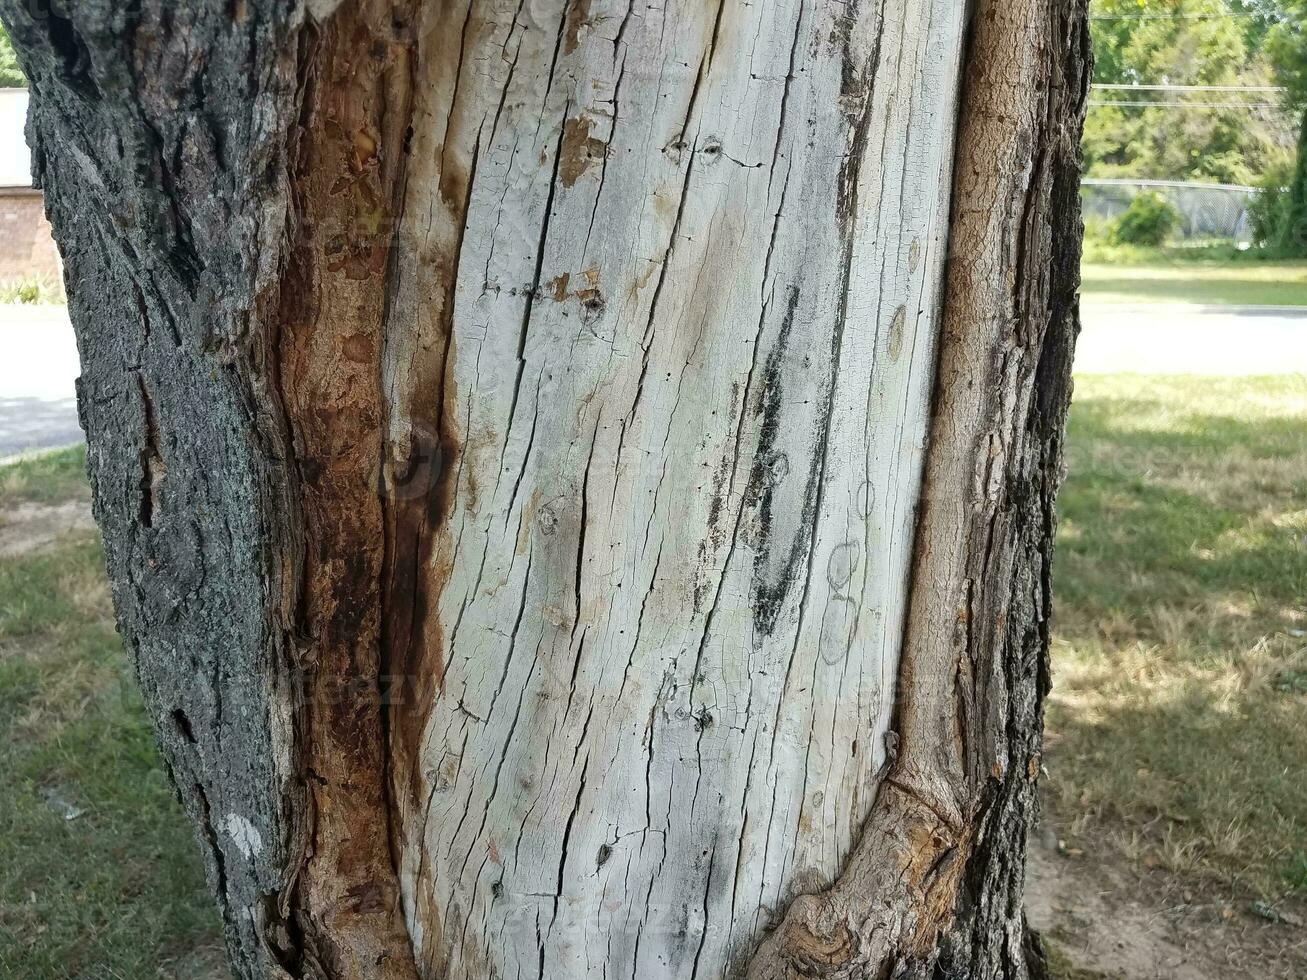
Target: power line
(1189,105)
(1190,88)
(1231,13)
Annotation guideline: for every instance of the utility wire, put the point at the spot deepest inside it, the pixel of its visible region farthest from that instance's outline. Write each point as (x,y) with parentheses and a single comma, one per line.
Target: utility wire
(1189,88)
(1188,105)
(1231,13)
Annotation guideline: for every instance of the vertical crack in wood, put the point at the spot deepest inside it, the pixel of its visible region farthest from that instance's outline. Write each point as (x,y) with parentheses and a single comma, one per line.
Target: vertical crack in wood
(423,448)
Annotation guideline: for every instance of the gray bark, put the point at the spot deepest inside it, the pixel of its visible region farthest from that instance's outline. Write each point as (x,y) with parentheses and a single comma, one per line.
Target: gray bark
(508,426)
(162,162)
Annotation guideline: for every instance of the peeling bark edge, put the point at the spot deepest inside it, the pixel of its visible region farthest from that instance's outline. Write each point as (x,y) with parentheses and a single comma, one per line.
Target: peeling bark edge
(989,936)
(346,172)
(165,136)
(934,887)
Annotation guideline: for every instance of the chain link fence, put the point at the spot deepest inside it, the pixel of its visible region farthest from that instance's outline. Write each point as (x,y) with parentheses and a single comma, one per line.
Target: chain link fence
(1207,211)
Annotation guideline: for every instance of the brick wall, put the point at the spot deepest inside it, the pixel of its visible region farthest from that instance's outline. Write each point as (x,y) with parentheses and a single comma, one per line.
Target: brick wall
(26,249)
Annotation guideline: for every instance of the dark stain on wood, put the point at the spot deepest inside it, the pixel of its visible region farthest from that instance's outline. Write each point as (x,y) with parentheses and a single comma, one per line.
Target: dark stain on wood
(421,479)
(578,17)
(777,565)
(558,286)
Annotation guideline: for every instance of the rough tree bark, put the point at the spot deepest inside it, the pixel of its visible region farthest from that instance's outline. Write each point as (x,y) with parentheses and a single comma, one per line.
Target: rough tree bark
(577,476)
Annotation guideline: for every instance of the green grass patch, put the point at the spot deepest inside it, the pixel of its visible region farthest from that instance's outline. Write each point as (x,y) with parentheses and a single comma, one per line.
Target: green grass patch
(1177,726)
(1060,966)
(47,478)
(47,595)
(1219,253)
(99,871)
(1205,278)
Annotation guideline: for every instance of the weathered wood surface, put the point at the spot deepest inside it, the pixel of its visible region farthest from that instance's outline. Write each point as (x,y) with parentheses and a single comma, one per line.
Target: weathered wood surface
(687,371)
(934,886)
(507,424)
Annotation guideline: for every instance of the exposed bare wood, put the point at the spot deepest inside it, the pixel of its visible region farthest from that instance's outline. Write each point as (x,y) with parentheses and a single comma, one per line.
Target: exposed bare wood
(508,424)
(938,869)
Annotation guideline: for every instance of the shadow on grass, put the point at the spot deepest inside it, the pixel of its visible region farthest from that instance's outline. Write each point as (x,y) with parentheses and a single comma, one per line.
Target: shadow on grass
(1190,773)
(1176,727)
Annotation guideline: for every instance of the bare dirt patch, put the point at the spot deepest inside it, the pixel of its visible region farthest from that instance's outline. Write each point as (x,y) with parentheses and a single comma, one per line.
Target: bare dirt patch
(1107,919)
(205,963)
(27,527)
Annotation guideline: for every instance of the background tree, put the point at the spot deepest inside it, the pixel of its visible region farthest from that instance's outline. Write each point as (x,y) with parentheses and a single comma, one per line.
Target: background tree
(570,516)
(11,76)
(1183,42)
(1287,45)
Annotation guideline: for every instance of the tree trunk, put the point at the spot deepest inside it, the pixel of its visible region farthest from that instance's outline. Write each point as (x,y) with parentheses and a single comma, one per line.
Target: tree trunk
(1293,227)
(570,515)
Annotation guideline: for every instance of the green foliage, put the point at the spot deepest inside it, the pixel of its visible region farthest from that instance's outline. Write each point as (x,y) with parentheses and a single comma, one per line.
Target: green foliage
(1258,17)
(1149,220)
(1097,230)
(1271,212)
(11,76)
(26,291)
(1286,47)
(1183,42)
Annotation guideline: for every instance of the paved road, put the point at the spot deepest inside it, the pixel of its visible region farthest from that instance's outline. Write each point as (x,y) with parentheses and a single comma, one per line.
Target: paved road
(38,357)
(1165,339)
(38,367)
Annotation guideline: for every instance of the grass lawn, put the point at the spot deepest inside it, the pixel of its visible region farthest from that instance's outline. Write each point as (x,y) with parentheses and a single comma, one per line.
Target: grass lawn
(1278,284)
(1178,723)
(50,478)
(99,874)
(1211,276)
(1177,727)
